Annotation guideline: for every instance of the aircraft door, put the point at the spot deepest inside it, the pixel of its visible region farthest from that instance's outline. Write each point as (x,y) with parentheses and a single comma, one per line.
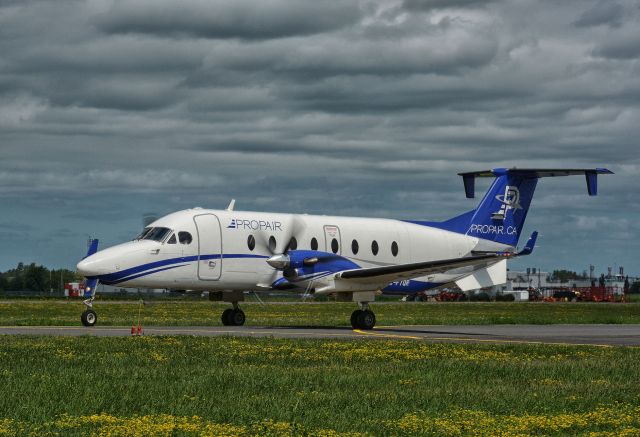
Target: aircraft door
(332,241)
(209,247)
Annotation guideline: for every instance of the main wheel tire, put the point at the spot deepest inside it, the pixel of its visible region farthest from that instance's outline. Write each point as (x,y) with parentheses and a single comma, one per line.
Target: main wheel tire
(237,317)
(366,320)
(354,319)
(89,318)
(226,317)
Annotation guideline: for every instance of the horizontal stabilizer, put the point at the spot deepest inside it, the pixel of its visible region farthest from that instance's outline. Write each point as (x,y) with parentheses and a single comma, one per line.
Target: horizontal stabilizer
(495,274)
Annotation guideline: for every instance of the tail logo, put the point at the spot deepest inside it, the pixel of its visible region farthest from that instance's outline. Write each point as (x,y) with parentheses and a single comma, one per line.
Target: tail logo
(509,200)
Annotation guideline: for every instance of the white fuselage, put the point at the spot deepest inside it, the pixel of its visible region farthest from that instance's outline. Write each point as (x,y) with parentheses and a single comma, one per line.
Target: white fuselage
(218,255)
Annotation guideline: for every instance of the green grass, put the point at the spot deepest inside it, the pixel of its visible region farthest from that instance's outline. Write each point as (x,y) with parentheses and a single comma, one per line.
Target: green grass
(634,297)
(191,386)
(319,314)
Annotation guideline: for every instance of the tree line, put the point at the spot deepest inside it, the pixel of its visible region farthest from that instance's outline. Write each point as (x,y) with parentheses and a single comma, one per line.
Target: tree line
(32,277)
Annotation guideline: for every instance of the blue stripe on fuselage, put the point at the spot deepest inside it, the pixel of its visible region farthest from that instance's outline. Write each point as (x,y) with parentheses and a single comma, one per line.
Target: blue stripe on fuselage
(128,274)
(139,275)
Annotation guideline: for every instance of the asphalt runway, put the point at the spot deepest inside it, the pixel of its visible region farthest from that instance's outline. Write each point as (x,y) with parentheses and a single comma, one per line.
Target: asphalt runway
(598,335)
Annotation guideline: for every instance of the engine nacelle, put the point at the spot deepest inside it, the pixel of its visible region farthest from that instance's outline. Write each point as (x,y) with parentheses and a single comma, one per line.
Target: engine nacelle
(300,265)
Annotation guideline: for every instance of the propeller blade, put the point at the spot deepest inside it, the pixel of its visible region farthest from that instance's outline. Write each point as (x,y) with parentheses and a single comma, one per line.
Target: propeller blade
(297,229)
(267,243)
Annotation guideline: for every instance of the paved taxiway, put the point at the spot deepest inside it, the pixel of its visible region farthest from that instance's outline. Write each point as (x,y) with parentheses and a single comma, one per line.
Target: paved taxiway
(603,335)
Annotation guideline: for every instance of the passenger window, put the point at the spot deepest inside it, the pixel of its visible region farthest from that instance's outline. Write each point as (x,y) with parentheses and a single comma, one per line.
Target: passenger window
(334,246)
(172,240)
(293,244)
(394,248)
(185,237)
(272,244)
(314,244)
(251,242)
(355,247)
(374,247)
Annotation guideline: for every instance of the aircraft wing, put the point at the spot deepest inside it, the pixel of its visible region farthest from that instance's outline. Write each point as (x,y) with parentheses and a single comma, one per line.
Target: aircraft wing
(385,275)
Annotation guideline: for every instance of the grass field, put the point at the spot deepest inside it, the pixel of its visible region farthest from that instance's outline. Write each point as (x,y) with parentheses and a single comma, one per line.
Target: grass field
(261,386)
(204,313)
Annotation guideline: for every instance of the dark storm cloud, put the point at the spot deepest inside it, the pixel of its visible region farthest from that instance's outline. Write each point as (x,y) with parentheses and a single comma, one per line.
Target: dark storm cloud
(224,19)
(427,5)
(623,44)
(602,12)
(110,109)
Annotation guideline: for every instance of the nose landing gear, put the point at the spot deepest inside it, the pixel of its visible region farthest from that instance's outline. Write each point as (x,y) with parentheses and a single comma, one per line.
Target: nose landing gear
(89,317)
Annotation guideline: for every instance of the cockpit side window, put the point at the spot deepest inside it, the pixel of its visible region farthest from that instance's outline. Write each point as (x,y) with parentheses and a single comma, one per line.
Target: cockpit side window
(185,237)
(155,234)
(172,240)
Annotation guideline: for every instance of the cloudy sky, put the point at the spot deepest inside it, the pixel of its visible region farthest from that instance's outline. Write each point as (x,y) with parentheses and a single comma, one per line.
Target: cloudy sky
(112,109)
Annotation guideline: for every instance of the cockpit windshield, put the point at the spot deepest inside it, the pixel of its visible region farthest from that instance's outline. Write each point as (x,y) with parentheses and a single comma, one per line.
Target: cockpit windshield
(155,234)
(144,232)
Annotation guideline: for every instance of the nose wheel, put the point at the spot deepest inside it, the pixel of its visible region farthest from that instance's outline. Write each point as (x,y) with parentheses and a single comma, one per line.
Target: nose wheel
(89,317)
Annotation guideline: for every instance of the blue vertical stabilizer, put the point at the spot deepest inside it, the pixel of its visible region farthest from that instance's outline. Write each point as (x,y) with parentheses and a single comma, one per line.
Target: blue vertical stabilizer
(501,214)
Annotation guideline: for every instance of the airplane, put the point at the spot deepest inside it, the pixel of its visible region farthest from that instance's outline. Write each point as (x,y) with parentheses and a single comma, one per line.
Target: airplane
(228,252)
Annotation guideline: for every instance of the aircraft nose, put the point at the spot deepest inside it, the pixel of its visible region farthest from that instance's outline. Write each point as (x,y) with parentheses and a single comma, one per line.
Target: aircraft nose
(91,266)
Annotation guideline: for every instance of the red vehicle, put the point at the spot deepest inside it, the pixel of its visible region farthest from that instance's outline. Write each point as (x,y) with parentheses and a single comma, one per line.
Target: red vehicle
(451,296)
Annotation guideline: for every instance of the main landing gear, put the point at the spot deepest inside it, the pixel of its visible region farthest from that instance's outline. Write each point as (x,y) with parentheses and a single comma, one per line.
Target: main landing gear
(233,316)
(363,318)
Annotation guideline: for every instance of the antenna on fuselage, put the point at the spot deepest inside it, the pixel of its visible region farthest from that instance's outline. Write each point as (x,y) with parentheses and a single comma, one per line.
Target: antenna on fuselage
(232,205)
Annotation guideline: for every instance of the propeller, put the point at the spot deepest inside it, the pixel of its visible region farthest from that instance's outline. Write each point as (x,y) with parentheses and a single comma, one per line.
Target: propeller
(279,247)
